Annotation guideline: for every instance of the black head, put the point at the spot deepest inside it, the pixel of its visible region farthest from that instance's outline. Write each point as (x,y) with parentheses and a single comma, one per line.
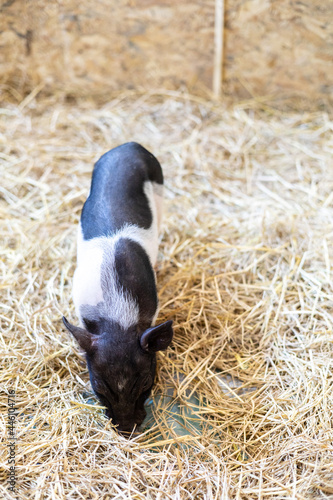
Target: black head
(122,368)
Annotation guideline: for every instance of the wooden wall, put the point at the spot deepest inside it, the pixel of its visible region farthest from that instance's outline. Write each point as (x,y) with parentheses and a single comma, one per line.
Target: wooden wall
(100,45)
(280,48)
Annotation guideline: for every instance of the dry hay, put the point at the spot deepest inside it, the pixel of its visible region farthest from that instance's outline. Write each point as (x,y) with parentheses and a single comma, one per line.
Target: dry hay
(242,407)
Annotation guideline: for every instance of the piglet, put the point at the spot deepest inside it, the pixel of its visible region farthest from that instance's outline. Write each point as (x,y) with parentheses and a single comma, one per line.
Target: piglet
(114,288)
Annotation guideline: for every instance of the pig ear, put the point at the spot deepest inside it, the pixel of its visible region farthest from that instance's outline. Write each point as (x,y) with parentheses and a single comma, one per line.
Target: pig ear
(83,337)
(157,338)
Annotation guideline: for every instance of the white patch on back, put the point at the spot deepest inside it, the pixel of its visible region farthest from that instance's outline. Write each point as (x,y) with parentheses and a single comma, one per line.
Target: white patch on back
(96,253)
(157,205)
(86,283)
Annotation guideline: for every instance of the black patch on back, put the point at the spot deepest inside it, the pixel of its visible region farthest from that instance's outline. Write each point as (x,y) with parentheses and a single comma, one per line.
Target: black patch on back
(136,276)
(117,196)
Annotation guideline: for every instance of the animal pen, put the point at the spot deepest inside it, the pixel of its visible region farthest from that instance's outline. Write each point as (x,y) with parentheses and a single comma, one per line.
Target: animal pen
(242,407)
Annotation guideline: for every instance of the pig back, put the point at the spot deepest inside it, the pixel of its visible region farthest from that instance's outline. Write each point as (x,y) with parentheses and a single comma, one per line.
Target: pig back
(123,182)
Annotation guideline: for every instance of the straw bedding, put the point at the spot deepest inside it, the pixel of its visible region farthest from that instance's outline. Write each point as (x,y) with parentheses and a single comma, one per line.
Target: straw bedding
(242,406)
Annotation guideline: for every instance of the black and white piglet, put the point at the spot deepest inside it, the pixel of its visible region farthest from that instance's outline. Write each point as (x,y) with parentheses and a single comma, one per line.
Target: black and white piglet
(114,287)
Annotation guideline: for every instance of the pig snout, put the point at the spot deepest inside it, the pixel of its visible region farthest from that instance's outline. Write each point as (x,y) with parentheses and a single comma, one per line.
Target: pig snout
(126,422)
